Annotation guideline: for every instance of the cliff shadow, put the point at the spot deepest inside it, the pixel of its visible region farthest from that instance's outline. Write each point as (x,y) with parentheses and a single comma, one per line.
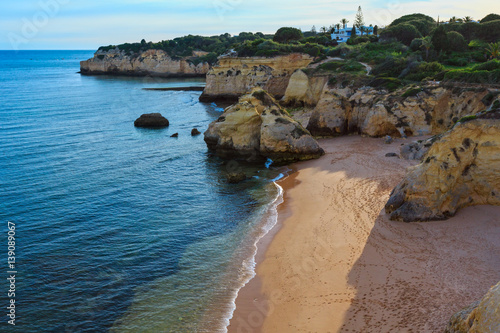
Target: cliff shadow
(411,277)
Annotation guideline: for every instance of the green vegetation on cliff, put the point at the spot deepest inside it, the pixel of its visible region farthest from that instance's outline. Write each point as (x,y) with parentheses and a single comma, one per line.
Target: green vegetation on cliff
(411,49)
(184,46)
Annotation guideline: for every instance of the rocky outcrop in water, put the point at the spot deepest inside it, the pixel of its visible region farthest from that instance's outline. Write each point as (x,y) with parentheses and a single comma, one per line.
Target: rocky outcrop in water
(234,76)
(460,169)
(150,62)
(480,317)
(151,120)
(257,128)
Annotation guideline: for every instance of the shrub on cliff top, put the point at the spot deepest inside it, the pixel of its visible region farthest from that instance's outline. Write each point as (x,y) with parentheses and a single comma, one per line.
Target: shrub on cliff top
(287,34)
(402,32)
(490,17)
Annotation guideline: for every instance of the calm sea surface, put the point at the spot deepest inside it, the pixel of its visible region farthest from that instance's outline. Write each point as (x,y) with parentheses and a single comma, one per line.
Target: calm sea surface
(117,228)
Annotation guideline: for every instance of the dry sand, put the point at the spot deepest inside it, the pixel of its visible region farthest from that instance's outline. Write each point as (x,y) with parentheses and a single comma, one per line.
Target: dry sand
(339,265)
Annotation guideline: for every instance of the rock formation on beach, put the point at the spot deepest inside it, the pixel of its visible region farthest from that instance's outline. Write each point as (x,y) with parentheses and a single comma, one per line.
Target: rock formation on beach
(377,112)
(257,127)
(151,120)
(460,169)
(150,62)
(480,317)
(234,76)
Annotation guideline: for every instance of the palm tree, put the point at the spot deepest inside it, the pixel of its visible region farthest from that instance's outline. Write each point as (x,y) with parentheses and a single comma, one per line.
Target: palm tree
(344,22)
(337,26)
(453,19)
(493,50)
(363,29)
(323,29)
(467,19)
(426,44)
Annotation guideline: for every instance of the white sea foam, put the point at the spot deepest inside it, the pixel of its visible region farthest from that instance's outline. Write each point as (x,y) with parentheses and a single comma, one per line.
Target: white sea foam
(247,271)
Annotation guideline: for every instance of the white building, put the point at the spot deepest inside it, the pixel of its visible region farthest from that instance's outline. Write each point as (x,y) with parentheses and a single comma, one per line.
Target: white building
(343,34)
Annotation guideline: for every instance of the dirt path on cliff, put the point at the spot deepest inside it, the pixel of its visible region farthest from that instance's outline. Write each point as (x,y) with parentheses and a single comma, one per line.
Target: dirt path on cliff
(367,67)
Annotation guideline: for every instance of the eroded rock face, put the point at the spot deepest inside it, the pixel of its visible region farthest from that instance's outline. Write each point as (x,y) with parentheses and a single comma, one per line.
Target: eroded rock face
(257,128)
(480,317)
(233,76)
(150,62)
(378,113)
(303,90)
(461,169)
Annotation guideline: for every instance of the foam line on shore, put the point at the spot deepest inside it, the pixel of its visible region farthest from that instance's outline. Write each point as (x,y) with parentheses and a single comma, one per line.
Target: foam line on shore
(248,266)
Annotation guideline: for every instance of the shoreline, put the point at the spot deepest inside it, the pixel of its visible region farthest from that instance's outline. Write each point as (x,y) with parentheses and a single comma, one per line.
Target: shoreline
(251,305)
(335,263)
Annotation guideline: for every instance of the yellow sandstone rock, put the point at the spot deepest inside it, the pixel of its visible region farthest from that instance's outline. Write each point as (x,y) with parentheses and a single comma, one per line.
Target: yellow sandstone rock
(233,76)
(461,169)
(150,62)
(256,128)
(480,317)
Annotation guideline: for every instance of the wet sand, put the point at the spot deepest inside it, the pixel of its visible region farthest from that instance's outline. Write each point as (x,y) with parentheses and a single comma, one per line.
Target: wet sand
(337,264)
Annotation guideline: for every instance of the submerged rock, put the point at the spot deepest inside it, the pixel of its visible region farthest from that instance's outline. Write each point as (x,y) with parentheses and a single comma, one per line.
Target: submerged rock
(195,132)
(460,169)
(257,128)
(151,120)
(480,317)
(175,135)
(236,177)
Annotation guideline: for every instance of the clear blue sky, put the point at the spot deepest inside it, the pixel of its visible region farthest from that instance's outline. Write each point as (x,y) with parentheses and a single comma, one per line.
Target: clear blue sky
(88,24)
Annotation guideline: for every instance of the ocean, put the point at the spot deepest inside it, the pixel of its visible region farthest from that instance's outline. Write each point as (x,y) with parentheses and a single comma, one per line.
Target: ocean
(119,229)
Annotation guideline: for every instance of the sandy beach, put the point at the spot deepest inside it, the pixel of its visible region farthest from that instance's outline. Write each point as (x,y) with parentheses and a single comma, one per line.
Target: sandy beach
(337,264)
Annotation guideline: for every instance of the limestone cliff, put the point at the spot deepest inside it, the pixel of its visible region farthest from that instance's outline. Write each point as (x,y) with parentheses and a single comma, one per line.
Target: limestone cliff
(460,169)
(234,76)
(150,62)
(377,112)
(303,90)
(481,317)
(257,127)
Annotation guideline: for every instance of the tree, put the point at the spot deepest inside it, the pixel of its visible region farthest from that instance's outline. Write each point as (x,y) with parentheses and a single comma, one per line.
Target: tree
(453,19)
(375,30)
(426,44)
(456,42)
(490,17)
(353,32)
(323,30)
(362,29)
(344,22)
(493,50)
(439,39)
(467,19)
(402,32)
(358,20)
(313,30)
(287,34)
(337,26)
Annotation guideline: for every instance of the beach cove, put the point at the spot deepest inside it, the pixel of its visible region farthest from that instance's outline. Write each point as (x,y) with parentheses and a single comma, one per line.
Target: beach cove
(337,264)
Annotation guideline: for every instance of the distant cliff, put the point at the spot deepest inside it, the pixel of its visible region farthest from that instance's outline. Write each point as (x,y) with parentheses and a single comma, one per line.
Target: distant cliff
(233,77)
(150,62)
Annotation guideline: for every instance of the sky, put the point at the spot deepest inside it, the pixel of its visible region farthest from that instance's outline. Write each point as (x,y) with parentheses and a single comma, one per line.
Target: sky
(88,24)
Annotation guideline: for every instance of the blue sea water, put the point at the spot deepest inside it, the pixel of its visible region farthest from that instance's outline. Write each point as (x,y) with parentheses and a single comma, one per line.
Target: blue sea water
(117,228)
